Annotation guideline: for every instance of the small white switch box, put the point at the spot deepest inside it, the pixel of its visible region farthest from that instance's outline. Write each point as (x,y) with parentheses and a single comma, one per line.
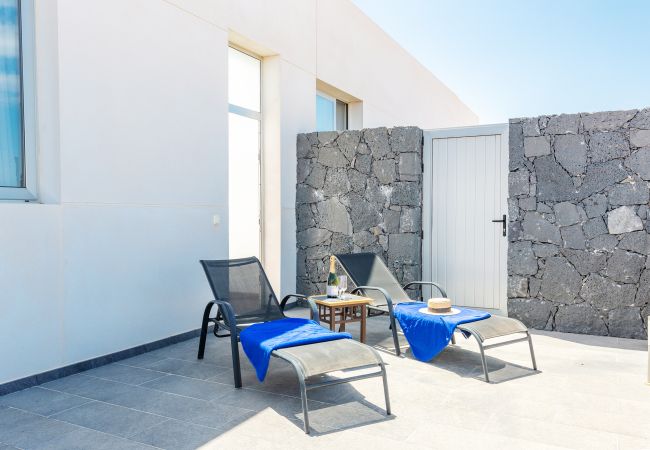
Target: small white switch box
(216,220)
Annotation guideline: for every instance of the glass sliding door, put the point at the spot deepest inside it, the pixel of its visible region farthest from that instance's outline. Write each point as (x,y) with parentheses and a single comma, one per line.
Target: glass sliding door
(244,148)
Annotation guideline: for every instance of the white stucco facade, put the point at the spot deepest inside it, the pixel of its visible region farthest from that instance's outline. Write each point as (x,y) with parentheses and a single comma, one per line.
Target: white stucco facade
(132,158)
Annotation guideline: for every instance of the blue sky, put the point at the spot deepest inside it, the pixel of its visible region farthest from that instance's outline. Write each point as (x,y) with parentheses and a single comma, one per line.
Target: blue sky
(507,58)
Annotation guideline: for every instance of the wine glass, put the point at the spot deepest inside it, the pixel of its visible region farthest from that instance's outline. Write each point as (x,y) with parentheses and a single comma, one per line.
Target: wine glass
(343,285)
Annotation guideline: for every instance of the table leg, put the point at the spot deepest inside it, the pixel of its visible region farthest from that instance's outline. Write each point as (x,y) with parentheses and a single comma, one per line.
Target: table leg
(332,321)
(343,318)
(363,325)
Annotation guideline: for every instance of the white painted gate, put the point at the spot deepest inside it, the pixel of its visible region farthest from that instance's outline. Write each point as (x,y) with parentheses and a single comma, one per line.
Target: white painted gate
(465,189)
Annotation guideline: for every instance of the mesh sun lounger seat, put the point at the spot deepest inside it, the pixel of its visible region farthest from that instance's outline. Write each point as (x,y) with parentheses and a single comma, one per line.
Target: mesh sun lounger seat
(371,276)
(244,296)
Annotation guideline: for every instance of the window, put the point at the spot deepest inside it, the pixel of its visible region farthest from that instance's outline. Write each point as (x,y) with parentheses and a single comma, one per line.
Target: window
(331,114)
(244,171)
(17,140)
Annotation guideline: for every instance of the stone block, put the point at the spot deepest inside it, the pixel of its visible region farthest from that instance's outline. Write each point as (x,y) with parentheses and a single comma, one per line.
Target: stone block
(639,162)
(410,166)
(626,323)
(316,177)
(641,120)
(553,182)
(327,137)
(312,237)
(571,153)
(303,146)
(594,227)
(516,145)
(566,214)
(630,192)
(384,170)
(608,145)
(304,217)
(406,140)
(584,261)
(528,203)
(341,243)
(536,146)
(537,228)
(364,238)
(378,194)
(307,194)
(596,205)
(517,286)
(513,209)
(363,163)
(601,175)
(519,183)
(530,126)
(545,250)
(404,248)
(411,220)
(573,237)
(638,242)
(533,312)
(643,293)
(603,293)
(331,156)
(640,138)
(348,141)
(406,193)
(304,166)
(624,266)
(377,140)
(391,221)
(357,181)
(603,243)
(521,260)
(534,285)
(363,214)
(580,318)
(336,182)
(607,120)
(560,282)
(623,220)
(333,216)
(562,124)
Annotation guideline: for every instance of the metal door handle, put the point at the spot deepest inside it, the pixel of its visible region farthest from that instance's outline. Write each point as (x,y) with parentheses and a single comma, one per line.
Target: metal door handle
(503,222)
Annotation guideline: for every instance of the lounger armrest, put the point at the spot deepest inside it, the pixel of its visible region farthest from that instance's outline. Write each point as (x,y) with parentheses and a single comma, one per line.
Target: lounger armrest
(427,283)
(228,314)
(312,305)
(384,292)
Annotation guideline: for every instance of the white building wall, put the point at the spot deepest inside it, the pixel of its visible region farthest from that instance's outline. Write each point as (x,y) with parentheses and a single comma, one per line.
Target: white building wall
(132,117)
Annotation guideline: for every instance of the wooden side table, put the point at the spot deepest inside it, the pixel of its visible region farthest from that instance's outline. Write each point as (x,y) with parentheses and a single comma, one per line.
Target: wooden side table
(334,311)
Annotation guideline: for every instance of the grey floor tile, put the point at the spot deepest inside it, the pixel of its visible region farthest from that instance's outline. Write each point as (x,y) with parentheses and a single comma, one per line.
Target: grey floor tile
(189,387)
(157,402)
(112,419)
(217,415)
(200,370)
(89,387)
(176,435)
(142,360)
(84,439)
(27,430)
(41,401)
(124,374)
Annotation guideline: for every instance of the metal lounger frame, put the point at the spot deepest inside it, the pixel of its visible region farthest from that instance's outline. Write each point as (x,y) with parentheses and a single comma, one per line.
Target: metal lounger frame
(226,319)
(479,340)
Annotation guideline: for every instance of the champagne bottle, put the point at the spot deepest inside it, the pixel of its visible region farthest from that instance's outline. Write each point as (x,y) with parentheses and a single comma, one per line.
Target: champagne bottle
(332,280)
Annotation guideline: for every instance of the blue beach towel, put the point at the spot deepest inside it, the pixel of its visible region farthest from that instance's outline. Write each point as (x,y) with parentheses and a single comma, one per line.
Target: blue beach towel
(259,340)
(427,334)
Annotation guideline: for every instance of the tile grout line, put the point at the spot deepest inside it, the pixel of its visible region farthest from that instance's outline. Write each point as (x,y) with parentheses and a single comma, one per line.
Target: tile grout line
(82,427)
